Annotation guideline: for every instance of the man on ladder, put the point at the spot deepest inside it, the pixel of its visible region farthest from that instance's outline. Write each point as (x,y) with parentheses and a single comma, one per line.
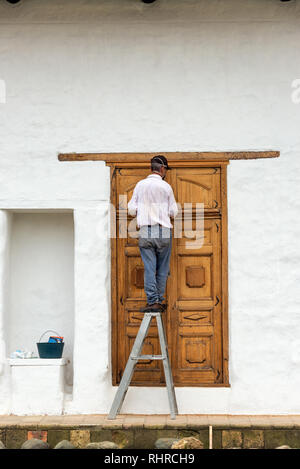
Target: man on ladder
(153,202)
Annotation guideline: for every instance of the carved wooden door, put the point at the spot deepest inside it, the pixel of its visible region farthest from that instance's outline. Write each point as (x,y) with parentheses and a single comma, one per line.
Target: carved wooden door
(195,320)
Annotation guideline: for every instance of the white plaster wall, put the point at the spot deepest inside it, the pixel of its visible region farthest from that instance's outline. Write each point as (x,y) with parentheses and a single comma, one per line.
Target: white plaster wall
(92,390)
(120,75)
(5,236)
(37,386)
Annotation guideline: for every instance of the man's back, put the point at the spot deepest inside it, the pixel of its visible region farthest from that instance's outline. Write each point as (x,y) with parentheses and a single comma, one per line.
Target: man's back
(153,201)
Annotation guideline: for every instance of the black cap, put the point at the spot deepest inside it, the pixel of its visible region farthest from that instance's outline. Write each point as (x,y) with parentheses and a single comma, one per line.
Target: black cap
(161,159)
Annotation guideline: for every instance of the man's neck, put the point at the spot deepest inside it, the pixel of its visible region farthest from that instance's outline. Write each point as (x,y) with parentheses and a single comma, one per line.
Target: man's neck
(155,172)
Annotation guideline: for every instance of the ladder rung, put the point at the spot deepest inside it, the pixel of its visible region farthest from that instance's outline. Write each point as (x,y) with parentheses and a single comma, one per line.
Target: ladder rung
(149,357)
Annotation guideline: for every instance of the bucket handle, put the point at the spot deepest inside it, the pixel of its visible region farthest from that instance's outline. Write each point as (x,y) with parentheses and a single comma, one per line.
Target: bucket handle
(49,330)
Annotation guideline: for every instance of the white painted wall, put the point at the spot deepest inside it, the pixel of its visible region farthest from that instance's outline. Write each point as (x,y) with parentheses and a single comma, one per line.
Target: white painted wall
(104,75)
(37,386)
(41,285)
(5,236)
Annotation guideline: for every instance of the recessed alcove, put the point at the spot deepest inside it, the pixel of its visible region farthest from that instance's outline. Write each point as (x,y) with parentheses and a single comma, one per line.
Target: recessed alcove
(40,278)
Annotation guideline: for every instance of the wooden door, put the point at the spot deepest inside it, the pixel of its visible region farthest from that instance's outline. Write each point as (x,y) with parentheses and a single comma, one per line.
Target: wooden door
(195,320)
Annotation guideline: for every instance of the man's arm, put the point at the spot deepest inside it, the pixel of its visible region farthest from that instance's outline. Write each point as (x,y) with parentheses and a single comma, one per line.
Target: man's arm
(173,209)
(132,204)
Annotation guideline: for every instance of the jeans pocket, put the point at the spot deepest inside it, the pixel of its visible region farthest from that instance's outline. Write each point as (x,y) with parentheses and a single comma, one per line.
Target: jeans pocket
(163,243)
(144,243)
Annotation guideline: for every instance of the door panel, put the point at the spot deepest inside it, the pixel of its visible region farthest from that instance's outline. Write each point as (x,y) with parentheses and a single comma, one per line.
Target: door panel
(131,297)
(126,182)
(196,310)
(193,320)
(199,185)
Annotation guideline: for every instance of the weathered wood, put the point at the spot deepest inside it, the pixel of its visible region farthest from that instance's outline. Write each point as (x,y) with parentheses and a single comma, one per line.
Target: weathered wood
(196,320)
(114,276)
(110,158)
(224,267)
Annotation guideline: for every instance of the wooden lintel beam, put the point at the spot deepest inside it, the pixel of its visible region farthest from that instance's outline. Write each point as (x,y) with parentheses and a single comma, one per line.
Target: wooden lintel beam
(171,156)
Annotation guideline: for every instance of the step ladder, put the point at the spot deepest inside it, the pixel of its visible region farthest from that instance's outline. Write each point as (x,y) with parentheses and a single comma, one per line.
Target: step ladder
(135,355)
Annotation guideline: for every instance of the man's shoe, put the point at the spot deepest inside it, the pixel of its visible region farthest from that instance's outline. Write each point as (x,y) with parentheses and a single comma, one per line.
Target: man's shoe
(156,307)
(144,308)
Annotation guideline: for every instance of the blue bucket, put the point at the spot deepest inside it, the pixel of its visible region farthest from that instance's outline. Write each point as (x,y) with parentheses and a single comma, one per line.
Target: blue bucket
(51,349)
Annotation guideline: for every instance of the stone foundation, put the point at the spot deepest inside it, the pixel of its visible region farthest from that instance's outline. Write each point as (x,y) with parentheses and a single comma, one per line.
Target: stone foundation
(142,432)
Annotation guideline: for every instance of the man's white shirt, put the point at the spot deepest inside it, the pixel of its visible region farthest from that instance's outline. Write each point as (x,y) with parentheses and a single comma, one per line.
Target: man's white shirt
(153,202)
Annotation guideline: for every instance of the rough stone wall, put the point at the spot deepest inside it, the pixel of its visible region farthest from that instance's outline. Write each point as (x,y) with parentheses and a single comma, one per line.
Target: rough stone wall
(146,438)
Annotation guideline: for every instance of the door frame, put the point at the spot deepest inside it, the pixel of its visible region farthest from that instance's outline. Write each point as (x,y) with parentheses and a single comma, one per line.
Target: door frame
(224,259)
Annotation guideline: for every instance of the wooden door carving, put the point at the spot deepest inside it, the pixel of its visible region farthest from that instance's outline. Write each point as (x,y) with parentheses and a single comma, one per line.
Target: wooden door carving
(196,318)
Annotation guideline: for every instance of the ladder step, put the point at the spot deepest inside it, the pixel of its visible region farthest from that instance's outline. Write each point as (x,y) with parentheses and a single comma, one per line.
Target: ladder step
(149,357)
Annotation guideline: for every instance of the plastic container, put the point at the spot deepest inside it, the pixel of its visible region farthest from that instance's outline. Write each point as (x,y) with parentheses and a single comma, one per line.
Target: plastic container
(50,349)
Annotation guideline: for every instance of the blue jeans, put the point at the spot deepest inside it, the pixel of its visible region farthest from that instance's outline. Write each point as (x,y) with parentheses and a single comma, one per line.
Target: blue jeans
(155,245)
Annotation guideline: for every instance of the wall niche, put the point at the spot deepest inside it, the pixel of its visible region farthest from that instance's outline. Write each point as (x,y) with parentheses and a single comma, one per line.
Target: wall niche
(40,281)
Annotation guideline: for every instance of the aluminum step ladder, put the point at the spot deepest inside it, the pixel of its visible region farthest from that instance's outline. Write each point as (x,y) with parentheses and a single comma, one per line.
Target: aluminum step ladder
(135,355)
